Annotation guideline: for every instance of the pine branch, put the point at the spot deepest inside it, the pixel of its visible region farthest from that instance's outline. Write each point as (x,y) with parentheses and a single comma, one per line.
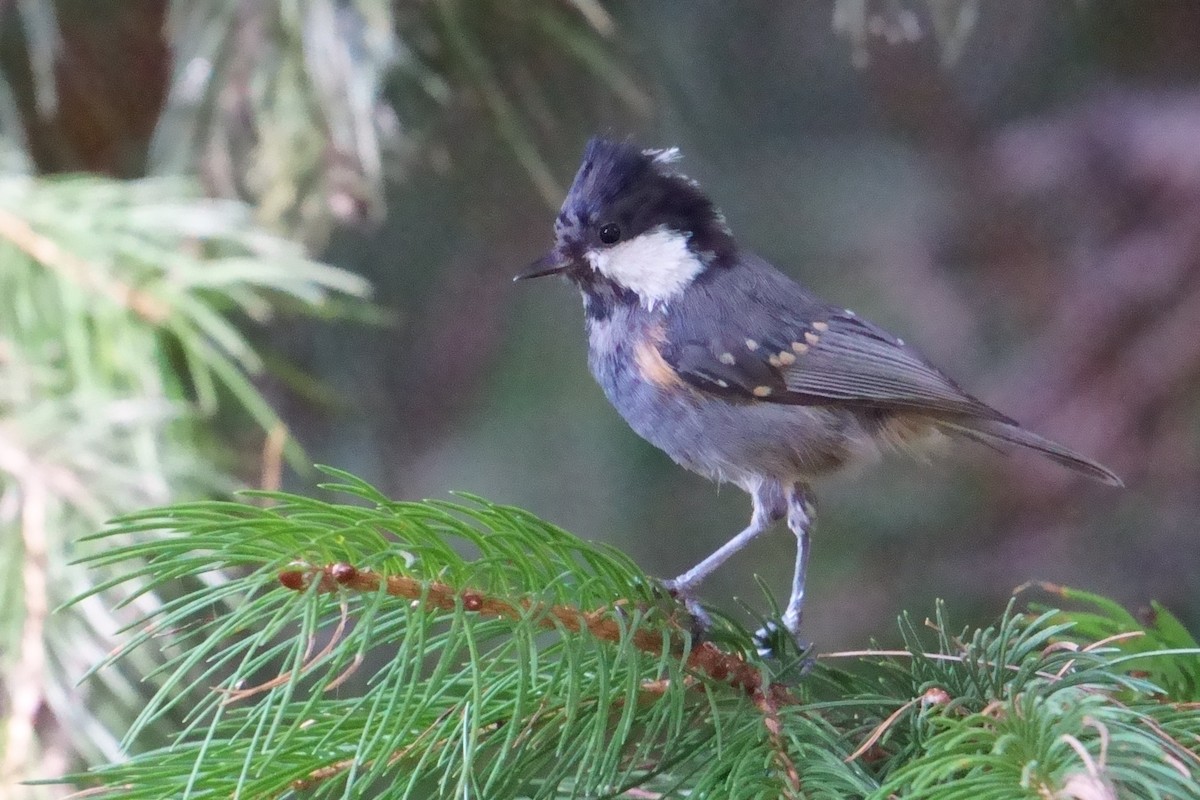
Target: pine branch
(394,649)
(306,110)
(106,288)
(154,265)
(47,252)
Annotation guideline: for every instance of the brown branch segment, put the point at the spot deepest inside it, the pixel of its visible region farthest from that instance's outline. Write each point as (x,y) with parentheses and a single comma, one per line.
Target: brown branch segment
(705,657)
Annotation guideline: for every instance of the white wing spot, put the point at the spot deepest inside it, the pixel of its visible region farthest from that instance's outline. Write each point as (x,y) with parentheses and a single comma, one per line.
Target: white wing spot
(726,358)
(751,344)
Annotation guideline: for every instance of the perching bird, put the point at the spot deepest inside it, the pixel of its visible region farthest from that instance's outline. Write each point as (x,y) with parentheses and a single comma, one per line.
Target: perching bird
(732,368)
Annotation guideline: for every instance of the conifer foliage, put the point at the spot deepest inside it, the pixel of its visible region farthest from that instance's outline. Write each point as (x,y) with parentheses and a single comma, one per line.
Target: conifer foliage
(376,648)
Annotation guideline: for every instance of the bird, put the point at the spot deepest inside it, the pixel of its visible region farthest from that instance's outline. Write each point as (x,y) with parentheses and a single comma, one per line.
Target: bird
(735,370)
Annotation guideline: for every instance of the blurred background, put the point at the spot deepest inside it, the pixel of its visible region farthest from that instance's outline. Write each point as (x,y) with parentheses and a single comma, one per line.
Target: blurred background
(1014,187)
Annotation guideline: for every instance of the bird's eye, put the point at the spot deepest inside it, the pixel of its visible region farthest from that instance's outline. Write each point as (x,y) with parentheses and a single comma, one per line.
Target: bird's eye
(610,233)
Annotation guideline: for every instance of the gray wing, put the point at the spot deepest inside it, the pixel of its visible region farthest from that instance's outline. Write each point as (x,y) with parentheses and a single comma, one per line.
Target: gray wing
(760,336)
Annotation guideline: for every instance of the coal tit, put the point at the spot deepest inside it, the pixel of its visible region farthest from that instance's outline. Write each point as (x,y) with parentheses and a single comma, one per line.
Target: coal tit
(732,368)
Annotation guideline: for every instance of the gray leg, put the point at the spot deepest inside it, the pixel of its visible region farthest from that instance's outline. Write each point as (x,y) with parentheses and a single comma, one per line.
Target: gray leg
(769,506)
(800,515)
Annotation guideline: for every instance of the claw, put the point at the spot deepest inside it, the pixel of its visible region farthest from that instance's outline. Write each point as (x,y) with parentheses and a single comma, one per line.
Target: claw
(701,622)
(769,642)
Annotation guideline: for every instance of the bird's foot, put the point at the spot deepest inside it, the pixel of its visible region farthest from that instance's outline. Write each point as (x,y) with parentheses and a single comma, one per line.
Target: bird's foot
(700,621)
(774,641)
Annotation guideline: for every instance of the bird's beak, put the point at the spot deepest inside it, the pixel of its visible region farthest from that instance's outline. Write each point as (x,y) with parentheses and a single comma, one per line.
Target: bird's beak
(553,263)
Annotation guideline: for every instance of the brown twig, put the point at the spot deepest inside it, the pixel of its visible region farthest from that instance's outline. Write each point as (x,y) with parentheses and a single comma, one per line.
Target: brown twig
(770,710)
(706,657)
(308,661)
(932,657)
(336,768)
(934,696)
(271,476)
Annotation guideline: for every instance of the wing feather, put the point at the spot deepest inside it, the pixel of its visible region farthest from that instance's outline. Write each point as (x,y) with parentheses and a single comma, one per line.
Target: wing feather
(777,343)
(853,360)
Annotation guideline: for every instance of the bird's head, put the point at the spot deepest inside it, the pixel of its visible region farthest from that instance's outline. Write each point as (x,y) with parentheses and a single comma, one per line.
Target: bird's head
(633,226)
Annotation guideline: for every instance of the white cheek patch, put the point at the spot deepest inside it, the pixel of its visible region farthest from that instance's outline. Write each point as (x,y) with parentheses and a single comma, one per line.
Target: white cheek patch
(656,265)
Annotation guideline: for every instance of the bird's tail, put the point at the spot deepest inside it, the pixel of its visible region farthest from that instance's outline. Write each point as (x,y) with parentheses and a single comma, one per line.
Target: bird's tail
(996,434)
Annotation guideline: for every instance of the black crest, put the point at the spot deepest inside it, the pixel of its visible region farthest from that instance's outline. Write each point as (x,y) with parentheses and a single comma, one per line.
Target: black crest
(641,190)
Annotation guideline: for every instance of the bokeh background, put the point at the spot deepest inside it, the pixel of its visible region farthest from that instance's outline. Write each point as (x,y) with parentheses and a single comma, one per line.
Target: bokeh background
(1012,186)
